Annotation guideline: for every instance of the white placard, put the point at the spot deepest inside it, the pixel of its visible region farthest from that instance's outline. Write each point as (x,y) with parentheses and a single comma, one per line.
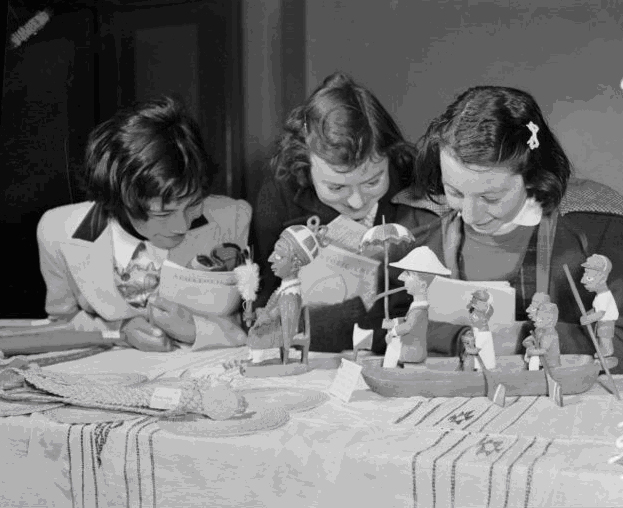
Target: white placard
(165,398)
(362,338)
(345,380)
(392,353)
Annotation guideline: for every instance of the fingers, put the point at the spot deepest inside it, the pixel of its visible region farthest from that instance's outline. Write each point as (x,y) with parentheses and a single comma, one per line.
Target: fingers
(140,334)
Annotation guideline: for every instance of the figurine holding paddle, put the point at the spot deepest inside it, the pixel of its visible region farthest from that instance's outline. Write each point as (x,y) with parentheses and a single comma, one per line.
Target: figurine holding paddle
(605,311)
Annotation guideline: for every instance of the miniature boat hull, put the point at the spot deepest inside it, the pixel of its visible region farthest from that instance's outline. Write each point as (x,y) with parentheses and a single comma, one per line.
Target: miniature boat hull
(440,377)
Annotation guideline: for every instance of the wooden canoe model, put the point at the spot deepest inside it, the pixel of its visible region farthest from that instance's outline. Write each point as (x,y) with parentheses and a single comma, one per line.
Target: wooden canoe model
(442,377)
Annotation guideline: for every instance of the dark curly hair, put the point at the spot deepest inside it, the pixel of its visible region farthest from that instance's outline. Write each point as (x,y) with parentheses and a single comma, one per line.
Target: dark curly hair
(344,124)
(153,150)
(488,126)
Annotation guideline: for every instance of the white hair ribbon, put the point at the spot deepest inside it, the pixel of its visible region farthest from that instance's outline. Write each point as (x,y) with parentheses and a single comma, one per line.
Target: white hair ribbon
(533,142)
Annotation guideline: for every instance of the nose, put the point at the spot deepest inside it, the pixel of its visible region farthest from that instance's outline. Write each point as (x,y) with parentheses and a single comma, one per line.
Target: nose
(471,211)
(355,200)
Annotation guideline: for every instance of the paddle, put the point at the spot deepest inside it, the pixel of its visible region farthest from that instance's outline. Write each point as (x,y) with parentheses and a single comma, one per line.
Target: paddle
(495,392)
(554,389)
(578,300)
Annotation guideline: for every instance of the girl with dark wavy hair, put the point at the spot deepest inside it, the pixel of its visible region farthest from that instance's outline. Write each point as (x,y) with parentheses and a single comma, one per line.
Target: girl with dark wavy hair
(340,153)
(514,212)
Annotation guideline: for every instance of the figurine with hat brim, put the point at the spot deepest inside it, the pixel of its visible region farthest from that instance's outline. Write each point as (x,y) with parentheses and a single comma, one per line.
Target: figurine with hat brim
(605,311)
(480,311)
(408,334)
(278,323)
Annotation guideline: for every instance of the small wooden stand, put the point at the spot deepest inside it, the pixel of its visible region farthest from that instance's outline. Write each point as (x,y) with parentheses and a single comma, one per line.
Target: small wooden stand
(274,368)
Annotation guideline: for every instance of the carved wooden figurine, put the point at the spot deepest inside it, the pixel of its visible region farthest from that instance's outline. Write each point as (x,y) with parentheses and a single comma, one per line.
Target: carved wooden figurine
(538,299)
(278,323)
(544,341)
(480,311)
(605,311)
(409,333)
(470,351)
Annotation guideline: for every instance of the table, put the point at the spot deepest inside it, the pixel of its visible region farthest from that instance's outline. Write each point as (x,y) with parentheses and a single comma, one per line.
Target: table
(372,451)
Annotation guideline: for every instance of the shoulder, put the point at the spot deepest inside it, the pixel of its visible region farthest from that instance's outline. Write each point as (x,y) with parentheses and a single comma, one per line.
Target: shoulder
(584,195)
(61,222)
(224,209)
(408,197)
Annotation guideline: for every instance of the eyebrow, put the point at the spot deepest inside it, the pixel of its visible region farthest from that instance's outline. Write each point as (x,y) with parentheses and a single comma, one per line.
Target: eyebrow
(377,175)
(164,209)
(488,193)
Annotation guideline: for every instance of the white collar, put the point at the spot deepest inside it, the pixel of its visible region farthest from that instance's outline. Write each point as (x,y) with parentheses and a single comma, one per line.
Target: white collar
(530,213)
(124,245)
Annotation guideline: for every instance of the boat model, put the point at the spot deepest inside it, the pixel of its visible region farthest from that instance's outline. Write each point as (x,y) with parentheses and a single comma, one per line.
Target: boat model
(444,377)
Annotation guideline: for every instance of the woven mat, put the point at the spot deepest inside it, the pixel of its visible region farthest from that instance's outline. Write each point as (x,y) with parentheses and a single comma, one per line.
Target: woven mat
(53,357)
(251,422)
(70,414)
(292,400)
(25,408)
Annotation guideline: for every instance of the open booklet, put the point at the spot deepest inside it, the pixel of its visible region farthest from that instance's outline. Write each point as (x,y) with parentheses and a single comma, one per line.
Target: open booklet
(202,292)
(448,300)
(340,272)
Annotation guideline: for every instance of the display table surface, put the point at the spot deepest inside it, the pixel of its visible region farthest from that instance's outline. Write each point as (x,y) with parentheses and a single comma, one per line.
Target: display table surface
(372,451)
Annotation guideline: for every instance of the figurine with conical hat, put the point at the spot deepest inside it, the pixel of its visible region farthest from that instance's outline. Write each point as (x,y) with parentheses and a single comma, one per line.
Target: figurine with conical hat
(605,311)
(278,322)
(480,311)
(419,267)
(544,341)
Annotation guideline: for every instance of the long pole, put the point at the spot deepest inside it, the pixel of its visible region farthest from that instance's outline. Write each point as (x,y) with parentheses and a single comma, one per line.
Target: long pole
(386,258)
(578,300)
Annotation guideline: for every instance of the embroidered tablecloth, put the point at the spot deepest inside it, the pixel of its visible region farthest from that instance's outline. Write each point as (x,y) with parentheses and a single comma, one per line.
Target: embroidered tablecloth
(373,451)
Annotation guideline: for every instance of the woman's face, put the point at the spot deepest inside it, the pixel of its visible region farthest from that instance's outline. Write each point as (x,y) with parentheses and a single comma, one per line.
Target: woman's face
(166,226)
(487,197)
(351,192)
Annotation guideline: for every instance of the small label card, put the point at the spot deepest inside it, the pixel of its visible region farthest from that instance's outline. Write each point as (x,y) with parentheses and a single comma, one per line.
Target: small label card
(165,398)
(392,353)
(345,380)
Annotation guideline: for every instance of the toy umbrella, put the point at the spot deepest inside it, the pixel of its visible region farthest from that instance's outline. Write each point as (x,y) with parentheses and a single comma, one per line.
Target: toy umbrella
(384,235)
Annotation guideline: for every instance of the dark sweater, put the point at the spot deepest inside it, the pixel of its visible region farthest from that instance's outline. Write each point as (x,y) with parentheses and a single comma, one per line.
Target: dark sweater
(280,204)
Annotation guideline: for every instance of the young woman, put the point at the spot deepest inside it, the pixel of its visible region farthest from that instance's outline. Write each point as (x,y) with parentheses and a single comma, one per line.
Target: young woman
(515,213)
(149,187)
(340,153)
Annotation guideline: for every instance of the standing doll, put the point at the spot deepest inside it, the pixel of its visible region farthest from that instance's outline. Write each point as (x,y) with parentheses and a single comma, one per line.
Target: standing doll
(470,351)
(544,340)
(480,311)
(530,342)
(278,322)
(605,311)
(420,267)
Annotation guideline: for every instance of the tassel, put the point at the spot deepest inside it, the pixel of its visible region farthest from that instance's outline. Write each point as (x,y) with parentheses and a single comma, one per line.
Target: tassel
(248,283)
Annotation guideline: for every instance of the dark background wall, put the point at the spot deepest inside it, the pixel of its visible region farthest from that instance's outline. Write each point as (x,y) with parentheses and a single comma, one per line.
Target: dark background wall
(415,55)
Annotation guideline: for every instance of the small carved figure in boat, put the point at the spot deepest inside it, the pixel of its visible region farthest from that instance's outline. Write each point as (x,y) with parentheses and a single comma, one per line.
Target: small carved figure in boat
(537,300)
(470,351)
(605,311)
(480,311)
(408,334)
(278,323)
(544,341)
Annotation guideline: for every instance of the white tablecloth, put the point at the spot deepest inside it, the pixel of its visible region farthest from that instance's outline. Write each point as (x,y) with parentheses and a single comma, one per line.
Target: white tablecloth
(372,451)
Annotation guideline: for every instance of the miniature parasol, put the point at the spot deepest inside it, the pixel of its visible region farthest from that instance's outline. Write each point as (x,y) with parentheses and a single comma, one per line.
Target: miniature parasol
(384,235)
